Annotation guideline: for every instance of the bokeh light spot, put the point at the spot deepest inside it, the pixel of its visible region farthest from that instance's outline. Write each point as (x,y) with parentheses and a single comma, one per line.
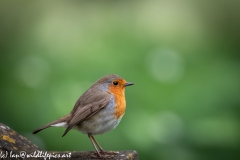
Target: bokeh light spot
(166,66)
(165,127)
(33,71)
(139,135)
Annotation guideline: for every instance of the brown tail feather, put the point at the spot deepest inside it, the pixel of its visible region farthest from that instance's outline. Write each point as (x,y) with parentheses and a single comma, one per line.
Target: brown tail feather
(63,119)
(42,128)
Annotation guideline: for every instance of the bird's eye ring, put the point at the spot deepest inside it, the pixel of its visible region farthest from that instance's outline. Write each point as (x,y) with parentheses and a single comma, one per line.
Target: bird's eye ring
(115,83)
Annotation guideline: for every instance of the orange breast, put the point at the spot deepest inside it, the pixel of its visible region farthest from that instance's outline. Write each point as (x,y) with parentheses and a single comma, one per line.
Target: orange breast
(119,96)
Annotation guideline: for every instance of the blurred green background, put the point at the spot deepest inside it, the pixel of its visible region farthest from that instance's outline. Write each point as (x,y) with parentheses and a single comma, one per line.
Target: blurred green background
(183,57)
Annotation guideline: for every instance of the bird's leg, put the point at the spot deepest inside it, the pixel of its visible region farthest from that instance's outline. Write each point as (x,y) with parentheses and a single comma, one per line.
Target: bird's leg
(93,140)
(100,148)
(97,146)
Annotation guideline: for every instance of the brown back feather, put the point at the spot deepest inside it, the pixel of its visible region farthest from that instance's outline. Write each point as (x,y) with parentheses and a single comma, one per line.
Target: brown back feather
(83,112)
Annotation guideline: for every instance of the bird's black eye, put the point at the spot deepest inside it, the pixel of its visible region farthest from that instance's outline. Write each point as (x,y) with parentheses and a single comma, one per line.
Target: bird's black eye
(115,83)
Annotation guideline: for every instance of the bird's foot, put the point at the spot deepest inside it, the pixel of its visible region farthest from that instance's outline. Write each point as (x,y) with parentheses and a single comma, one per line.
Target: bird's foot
(96,155)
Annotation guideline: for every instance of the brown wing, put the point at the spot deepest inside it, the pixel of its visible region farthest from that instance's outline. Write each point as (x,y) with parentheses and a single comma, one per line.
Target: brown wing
(83,111)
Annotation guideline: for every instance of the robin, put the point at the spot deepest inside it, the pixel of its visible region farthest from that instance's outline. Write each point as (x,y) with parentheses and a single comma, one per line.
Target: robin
(98,110)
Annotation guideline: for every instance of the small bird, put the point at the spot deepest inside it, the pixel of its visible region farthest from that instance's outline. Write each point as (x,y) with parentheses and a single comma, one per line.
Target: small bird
(98,110)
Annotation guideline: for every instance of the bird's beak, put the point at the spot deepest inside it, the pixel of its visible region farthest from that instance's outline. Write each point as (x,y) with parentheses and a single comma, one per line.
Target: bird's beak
(128,84)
